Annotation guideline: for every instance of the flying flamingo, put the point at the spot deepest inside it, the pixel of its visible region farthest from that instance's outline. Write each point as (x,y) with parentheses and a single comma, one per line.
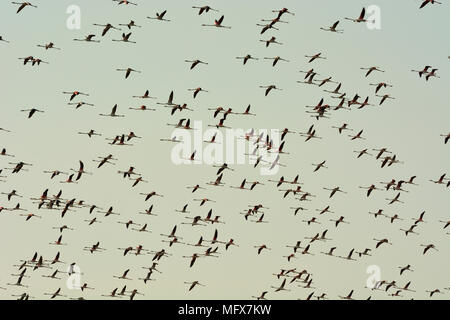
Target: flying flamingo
(106,28)
(125,2)
(371,69)
(88,38)
(197,91)
(125,38)
(31,112)
(425,2)
(48,46)
(194,63)
(360,18)
(314,57)
(131,24)
(217,24)
(194,284)
(269,88)
(446,137)
(75,94)
(271,40)
(113,113)
(423,71)
(204,9)
(275,60)
(246,58)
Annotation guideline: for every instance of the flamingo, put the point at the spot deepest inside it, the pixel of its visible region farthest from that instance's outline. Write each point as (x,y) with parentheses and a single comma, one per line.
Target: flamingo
(357,136)
(310,134)
(204,9)
(446,137)
(106,28)
(380,242)
(23,5)
(48,46)
(38,62)
(197,91)
(88,38)
(423,71)
(326,80)
(269,88)
(3,153)
(261,297)
(31,112)
(333,28)
(145,96)
(314,57)
(128,71)
(275,60)
(75,94)
(334,190)
(370,189)
(124,275)
(428,247)
(113,293)
(432,73)
(349,256)
(380,85)
(27,59)
(348,297)
(371,69)
(125,38)
(104,160)
(113,113)
(283,11)
(193,284)
(159,16)
(441,179)
(425,2)
(194,63)
(90,133)
(151,194)
(336,91)
(384,98)
(395,199)
(319,166)
(432,292)
(246,58)
(281,287)
(360,18)
(80,104)
(266,27)
(270,41)
(142,108)
(125,2)
(131,24)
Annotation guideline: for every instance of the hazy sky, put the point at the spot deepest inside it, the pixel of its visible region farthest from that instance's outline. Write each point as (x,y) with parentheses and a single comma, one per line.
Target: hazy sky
(410,126)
